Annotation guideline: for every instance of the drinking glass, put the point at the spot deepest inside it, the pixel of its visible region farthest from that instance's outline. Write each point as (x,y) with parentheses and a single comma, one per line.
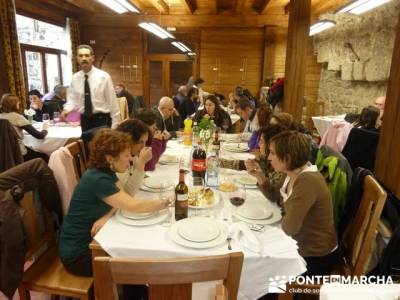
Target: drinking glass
(237,197)
(46,118)
(56,117)
(185,163)
(196,192)
(167,194)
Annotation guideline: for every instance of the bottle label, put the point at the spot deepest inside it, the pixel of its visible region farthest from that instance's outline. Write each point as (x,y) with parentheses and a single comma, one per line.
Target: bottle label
(181,197)
(215,147)
(198,164)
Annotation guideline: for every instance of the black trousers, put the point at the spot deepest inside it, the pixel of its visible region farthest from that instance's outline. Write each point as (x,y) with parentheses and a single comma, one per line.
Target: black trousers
(321,265)
(96,120)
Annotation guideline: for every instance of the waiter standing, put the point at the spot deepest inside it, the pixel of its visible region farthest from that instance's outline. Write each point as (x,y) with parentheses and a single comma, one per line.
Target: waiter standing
(92,94)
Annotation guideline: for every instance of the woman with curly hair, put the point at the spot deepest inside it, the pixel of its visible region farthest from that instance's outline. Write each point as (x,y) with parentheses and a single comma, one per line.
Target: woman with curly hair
(213,109)
(96,197)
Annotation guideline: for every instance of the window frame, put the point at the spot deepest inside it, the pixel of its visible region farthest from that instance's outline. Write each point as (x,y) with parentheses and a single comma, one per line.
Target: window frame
(43,51)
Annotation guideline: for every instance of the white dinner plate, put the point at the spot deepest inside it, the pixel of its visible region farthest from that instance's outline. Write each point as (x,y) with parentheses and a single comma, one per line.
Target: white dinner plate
(247,180)
(177,238)
(234,137)
(206,205)
(154,182)
(168,159)
(254,211)
(276,216)
(137,216)
(155,219)
(189,229)
(236,147)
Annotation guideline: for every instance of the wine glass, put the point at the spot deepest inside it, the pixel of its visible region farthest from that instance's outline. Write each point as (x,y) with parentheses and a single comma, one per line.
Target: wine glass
(167,194)
(185,163)
(46,118)
(237,197)
(56,117)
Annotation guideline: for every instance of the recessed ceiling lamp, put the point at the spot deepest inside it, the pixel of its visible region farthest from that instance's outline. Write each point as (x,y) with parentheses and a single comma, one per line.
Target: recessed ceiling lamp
(157,30)
(181,46)
(361,6)
(321,26)
(119,6)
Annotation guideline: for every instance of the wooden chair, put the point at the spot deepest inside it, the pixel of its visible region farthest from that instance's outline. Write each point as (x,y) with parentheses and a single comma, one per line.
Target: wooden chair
(359,235)
(77,150)
(160,273)
(46,274)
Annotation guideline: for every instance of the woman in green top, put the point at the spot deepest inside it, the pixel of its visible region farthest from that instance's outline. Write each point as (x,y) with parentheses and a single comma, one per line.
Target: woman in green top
(96,197)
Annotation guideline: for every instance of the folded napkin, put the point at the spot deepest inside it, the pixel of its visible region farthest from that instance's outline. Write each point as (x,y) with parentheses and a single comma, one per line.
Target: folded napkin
(243,236)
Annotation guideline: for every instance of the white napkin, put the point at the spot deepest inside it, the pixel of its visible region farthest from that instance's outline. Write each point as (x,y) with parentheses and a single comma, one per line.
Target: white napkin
(243,236)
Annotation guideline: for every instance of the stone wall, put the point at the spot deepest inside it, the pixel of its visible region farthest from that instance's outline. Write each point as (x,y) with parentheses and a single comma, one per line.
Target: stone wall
(355,58)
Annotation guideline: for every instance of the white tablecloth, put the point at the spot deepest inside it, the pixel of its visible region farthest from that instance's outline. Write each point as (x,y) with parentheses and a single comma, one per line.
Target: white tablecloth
(334,291)
(56,138)
(322,123)
(121,240)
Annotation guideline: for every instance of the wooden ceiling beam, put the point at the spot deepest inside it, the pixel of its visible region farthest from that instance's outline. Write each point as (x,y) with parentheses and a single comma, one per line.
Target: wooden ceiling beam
(160,5)
(139,5)
(191,5)
(186,20)
(262,8)
(83,4)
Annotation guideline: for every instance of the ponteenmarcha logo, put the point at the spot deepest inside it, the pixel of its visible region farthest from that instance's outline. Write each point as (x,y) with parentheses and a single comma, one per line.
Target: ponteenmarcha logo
(277,284)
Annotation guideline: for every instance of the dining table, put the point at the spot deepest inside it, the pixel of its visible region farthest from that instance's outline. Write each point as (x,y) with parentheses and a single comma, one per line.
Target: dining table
(59,134)
(322,123)
(268,252)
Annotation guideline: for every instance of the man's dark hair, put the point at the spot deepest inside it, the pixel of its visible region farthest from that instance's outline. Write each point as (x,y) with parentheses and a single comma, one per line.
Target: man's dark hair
(134,127)
(243,103)
(121,85)
(147,116)
(198,81)
(35,93)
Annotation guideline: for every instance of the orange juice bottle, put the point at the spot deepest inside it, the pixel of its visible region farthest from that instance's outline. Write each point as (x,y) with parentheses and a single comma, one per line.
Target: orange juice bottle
(187,131)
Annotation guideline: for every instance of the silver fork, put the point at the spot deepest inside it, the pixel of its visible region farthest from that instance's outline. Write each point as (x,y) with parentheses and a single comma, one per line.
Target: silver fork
(229,239)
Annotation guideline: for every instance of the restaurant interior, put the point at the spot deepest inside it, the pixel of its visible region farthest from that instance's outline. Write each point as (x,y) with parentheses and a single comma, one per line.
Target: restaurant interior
(200,149)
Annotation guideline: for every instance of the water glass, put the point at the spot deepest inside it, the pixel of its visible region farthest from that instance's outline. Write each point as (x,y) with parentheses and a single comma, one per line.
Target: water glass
(167,194)
(56,117)
(196,192)
(185,163)
(46,118)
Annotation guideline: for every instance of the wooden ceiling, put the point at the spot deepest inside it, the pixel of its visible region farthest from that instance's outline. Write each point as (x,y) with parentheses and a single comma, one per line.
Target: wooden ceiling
(189,13)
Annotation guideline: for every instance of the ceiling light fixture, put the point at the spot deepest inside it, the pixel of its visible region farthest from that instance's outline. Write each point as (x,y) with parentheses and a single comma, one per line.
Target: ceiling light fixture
(321,26)
(129,6)
(119,6)
(181,46)
(157,30)
(191,53)
(361,6)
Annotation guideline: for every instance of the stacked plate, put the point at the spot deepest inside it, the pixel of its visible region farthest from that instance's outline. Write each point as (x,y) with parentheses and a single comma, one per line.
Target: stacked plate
(141,219)
(168,159)
(236,147)
(232,138)
(198,232)
(250,182)
(155,183)
(257,213)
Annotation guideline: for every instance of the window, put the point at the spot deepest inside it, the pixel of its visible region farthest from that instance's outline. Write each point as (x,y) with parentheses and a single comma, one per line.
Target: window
(44,54)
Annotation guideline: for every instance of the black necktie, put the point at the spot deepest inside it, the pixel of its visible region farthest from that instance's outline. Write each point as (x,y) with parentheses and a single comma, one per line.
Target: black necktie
(88,99)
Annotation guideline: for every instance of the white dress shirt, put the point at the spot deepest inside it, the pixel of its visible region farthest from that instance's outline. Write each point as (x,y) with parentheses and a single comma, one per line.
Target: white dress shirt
(101,92)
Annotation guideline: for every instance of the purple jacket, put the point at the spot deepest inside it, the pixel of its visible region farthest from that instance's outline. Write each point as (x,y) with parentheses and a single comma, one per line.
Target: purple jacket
(158,148)
(254,140)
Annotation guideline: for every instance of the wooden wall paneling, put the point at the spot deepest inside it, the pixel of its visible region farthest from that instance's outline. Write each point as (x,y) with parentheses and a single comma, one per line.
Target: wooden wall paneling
(145,70)
(120,44)
(230,48)
(387,163)
(295,66)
